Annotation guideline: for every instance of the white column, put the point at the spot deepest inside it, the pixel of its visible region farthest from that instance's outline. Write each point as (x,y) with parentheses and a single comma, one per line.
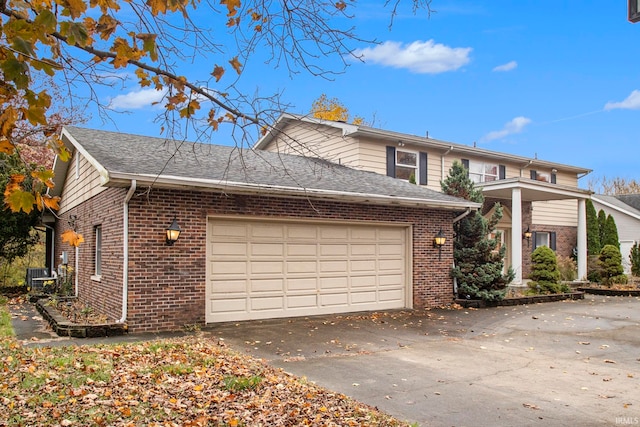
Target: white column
(516,235)
(582,239)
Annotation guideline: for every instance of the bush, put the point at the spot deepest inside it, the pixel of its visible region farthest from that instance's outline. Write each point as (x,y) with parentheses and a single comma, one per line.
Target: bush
(634,257)
(568,268)
(545,275)
(610,262)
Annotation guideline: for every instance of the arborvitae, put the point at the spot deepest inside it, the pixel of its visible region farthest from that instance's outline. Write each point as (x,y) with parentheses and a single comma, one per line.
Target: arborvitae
(545,274)
(611,268)
(479,263)
(593,233)
(610,233)
(602,225)
(634,257)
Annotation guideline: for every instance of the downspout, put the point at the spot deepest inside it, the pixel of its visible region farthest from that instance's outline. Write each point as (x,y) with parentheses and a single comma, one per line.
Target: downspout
(442,161)
(75,273)
(456,219)
(125,251)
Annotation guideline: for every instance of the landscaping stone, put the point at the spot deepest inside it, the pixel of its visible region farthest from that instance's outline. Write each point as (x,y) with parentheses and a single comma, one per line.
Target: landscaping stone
(529,299)
(66,328)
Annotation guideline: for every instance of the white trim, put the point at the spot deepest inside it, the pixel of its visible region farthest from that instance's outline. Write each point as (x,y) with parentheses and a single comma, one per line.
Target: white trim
(168,181)
(353,130)
(617,208)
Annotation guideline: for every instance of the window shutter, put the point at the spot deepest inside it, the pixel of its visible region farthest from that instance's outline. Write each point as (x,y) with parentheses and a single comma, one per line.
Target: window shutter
(552,240)
(533,241)
(534,174)
(465,163)
(502,171)
(391,161)
(553,178)
(423,169)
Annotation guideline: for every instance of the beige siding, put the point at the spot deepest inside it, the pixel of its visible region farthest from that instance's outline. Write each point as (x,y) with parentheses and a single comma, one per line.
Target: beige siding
(308,139)
(556,212)
(373,156)
(79,185)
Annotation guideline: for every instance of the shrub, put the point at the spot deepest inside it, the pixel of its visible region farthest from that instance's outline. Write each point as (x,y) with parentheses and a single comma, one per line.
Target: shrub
(545,275)
(568,268)
(634,257)
(610,262)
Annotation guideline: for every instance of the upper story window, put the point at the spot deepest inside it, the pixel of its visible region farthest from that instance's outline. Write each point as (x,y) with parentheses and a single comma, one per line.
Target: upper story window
(406,164)
(483,172)
(544,176)
(403,164)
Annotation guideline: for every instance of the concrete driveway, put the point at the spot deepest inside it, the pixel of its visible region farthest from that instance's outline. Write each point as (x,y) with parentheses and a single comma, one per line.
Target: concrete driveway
(554,364)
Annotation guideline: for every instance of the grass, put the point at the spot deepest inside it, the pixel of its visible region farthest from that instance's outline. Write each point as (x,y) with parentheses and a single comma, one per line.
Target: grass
(6,330)
(193,381)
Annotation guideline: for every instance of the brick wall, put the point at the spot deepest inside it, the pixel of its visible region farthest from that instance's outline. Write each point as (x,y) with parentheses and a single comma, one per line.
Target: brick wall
(167,284)
(106,210)
(566,236)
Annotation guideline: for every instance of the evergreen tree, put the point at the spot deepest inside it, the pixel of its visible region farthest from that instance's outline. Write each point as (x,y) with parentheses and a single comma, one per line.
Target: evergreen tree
(610,234)
(602,225)
(593,233)
(634,257)
(479,263)
(610,261)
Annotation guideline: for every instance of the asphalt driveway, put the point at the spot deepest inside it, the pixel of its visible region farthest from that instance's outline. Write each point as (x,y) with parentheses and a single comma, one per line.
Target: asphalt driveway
(554,364)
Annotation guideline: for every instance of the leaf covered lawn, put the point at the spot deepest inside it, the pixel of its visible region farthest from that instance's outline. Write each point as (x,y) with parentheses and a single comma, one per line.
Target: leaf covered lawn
(180,382)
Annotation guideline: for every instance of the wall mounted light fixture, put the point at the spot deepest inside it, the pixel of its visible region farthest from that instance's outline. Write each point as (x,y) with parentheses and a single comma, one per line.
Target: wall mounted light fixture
(527,235)
(173,232)
(438,242)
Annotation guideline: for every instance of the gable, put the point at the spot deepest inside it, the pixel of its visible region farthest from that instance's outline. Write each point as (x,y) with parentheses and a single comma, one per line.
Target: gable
(82,181)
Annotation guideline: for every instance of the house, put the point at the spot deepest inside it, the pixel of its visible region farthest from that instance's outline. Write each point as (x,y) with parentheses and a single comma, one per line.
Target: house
(625,210)
(543,204)
(263,234)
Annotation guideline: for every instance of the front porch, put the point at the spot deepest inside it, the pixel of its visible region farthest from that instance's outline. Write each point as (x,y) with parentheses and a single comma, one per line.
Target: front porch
(522,193)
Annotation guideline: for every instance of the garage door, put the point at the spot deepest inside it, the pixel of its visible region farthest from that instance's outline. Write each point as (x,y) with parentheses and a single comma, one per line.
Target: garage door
(268,269)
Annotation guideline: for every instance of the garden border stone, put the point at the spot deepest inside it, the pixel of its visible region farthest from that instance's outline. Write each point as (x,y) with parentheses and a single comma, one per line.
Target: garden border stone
(66,328)
(530,299)
(612,292)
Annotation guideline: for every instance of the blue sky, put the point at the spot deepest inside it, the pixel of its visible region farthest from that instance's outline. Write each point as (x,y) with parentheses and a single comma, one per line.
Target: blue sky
(559,80)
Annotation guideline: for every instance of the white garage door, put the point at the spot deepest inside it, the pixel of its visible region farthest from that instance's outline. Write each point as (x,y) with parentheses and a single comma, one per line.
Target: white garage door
(268,269)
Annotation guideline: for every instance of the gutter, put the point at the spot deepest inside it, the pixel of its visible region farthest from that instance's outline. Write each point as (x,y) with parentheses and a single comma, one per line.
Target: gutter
(125,251)
(284,191)
(462,215)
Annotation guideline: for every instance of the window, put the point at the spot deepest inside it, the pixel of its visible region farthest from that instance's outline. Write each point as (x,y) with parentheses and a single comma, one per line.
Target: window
(544,176)
(98,250)
(402,164)
(543,238)
(483,172)
(406,164)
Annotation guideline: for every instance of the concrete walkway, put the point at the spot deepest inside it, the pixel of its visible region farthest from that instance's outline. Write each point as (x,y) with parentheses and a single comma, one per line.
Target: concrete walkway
(555,364)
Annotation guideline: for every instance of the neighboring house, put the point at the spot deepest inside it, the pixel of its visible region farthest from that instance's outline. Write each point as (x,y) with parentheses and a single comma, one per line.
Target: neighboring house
(625,210)
(539,196)
(263,234)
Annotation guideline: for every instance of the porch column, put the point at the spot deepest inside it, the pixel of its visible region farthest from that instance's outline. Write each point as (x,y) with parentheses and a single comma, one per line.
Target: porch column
(516,235)
(582,239)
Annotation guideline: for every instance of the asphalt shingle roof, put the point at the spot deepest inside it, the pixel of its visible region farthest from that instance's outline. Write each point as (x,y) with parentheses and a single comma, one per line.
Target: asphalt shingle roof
(126,154)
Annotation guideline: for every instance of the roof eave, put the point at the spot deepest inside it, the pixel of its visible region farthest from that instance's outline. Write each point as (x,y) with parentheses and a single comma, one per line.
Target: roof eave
(175,182)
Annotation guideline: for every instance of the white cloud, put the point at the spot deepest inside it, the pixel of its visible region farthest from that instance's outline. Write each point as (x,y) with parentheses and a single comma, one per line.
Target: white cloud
(514,126)
(631,103)
(419,57)
(507,67)
(136,99)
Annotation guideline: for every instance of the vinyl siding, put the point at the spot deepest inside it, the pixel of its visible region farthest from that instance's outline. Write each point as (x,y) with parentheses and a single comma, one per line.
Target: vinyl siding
(308,139)
(628,226)
(81,187)
(555,212)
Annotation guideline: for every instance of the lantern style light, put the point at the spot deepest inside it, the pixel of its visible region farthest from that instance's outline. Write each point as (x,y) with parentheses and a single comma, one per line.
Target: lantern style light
(438,241)
(173,232)
(527,235)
